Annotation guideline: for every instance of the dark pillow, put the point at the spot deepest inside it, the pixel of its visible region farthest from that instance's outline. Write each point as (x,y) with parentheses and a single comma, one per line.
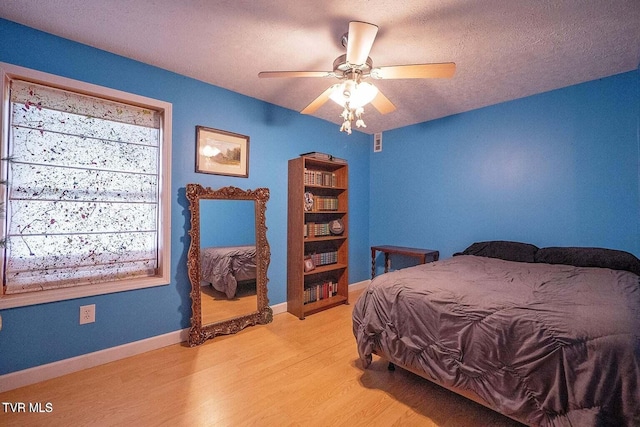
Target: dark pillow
(590,257)
(509,251)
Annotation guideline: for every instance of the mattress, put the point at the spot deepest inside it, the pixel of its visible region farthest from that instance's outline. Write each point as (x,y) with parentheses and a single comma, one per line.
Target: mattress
(544,344)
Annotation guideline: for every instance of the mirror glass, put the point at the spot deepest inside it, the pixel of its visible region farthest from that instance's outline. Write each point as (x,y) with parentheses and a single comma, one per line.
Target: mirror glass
(227,261)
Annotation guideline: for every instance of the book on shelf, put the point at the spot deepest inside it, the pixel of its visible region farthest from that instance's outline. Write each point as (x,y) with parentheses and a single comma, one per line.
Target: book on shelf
(320,290)
(323,178)
(317,155)
(324,258)
(323,156)
(338,160)
(324,203)
(314,229)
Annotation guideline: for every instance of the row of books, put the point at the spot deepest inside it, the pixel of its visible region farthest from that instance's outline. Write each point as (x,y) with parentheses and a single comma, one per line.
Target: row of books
(320,290)
(324,258)
(313,229)
(325,203)
(326,179)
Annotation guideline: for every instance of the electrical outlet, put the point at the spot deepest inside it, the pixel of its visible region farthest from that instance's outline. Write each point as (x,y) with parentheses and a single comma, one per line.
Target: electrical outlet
(87,314)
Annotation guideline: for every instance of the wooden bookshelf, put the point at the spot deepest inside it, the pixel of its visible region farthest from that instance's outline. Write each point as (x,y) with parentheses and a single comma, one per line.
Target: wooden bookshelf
(309,236)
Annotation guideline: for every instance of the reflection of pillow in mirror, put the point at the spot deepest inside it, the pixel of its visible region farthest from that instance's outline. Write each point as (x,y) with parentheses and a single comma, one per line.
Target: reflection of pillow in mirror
(508,251)
(590,257)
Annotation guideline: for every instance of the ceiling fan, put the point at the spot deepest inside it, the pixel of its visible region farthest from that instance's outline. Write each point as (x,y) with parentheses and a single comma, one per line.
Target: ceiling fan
(356,66)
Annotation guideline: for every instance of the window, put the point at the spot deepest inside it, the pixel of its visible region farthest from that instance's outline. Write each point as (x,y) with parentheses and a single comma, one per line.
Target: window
(86,197)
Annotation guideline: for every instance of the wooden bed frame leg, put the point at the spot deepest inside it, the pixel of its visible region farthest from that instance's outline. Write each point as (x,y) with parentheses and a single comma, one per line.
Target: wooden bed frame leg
(391,367)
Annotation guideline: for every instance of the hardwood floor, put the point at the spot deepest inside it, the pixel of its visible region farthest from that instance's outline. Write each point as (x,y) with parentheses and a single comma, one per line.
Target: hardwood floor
(216,306)
(290,372)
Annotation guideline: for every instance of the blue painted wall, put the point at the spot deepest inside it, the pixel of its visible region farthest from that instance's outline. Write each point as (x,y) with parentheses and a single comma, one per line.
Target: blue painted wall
(559,168)
(40,334)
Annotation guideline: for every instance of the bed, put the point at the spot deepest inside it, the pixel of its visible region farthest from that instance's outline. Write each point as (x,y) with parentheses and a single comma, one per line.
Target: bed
(548,337)
(224,267)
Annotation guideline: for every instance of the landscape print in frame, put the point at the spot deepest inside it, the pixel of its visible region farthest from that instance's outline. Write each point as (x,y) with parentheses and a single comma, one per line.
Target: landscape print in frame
(222,153)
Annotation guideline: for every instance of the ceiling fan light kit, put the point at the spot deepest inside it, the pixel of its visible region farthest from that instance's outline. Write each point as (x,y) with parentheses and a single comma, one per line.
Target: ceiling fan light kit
(353,96)
(355,66)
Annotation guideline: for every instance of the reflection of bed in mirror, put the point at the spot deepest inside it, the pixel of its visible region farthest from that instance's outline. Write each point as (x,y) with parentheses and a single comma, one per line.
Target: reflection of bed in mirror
(224,267)
(227,260)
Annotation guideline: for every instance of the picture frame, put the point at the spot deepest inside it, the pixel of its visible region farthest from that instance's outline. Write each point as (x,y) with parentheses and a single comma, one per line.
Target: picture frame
(221,152)
(308,264)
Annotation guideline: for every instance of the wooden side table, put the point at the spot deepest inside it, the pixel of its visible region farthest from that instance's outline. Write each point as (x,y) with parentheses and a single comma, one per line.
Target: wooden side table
(421,254)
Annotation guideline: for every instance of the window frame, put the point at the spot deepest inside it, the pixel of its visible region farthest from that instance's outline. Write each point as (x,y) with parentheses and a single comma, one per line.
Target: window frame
(162,278)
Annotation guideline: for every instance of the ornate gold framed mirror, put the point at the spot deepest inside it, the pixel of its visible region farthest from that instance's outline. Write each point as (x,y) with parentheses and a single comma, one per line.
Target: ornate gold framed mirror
(227,260)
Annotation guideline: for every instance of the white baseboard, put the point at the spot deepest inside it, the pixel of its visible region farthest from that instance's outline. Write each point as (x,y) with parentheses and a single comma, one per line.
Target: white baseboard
(279,308)
(359,285)
(282,307)
(40,373)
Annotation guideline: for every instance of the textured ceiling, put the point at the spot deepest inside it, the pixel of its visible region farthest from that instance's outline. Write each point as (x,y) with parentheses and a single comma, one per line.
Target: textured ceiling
(504,49)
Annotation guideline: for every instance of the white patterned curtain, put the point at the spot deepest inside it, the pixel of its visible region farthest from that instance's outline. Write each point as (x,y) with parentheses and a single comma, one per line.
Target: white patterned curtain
(83,190)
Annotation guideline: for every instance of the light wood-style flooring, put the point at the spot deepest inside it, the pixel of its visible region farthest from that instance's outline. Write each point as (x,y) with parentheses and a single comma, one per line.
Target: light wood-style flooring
(215,306)
(289,373)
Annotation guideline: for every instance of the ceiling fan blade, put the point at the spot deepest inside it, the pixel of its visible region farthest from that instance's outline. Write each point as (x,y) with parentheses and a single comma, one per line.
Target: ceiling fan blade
(267,74)
(359,41)
(382,104)
(319,101)
(416,71)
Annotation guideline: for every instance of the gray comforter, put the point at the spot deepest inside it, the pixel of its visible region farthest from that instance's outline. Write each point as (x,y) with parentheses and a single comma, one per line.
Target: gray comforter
(224,267)
(549,345)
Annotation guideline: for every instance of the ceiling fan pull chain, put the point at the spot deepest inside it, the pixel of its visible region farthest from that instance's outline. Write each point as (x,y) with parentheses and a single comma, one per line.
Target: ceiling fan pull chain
(360,122)
(346,127)
(347,115)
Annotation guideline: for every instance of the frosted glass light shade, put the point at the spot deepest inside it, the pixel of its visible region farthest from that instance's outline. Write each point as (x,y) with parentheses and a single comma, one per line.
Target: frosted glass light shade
(357,94)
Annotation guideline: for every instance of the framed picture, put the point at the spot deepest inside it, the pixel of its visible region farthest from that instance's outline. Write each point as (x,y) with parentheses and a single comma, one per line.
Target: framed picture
(222,153)
(308,264)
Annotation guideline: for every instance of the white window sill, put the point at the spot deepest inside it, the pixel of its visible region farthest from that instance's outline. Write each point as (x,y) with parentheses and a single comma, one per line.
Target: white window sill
(41,297)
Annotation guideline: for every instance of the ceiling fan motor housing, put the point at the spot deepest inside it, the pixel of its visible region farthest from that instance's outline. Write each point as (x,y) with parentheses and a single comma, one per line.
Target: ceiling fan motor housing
(343,69)
(355,66)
